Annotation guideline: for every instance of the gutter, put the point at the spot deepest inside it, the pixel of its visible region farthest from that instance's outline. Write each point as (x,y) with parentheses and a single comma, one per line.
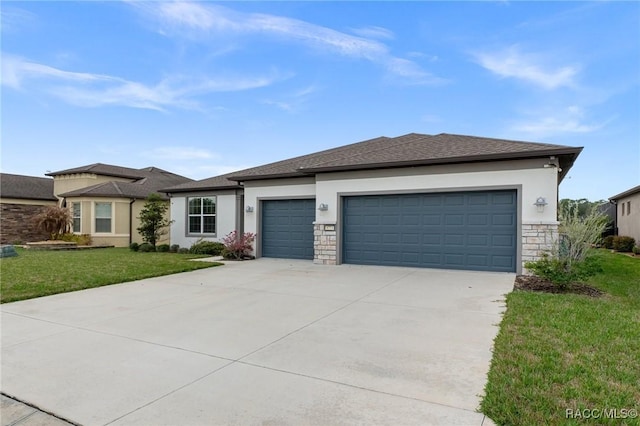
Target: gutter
(133,200)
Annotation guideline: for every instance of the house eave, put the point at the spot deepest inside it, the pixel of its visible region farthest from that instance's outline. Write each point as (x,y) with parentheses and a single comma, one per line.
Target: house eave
(626,193)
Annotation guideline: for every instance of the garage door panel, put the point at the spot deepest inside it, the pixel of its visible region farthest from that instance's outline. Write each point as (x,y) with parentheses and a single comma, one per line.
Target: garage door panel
(466,230)
(287,228)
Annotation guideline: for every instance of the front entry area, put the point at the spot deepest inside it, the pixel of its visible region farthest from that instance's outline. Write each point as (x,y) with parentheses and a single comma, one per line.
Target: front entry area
(287,228)
(473,230)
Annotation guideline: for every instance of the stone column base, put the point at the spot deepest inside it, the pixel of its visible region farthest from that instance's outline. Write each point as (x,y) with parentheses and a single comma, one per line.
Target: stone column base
(325,245)
(537,238)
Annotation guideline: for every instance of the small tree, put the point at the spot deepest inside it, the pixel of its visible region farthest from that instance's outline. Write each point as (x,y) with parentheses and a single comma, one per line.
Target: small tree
(54,220)
(153,223)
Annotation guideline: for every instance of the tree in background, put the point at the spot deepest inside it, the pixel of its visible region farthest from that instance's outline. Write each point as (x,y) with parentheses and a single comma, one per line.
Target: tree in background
(153,221)
(583,208)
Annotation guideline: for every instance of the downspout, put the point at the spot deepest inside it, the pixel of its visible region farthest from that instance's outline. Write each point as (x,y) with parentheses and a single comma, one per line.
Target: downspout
(133,200)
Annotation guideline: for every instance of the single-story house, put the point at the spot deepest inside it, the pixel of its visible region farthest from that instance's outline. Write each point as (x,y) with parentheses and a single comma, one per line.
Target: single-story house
(21,199)
(106,200)
(440,201)
(628,213)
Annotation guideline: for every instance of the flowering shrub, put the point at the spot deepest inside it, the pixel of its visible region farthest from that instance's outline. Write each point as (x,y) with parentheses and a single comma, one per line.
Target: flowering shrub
(238,246)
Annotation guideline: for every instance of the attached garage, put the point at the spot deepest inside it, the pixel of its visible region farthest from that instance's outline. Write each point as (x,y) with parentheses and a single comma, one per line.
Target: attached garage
(287,228)
(473,230)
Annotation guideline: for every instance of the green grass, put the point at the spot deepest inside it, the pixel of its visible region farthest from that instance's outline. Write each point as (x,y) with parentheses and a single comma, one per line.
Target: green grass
(36,273)
(558,352)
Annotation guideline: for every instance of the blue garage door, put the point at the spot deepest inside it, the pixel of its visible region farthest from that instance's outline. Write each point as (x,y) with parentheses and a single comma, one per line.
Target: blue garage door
(461,230)
(287,228)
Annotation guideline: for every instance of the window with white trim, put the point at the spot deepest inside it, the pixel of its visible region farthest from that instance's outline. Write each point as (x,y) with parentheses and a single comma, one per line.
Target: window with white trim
(103,217)
(201,215)
(76,211)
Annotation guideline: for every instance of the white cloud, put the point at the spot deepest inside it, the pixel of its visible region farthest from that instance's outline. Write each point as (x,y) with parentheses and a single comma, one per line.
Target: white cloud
(566,120)
(512,63)
(208,20)
(94,90)
(15,19)
(374,32)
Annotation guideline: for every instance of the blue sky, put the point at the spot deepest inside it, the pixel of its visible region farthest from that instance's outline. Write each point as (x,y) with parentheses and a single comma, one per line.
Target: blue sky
(205,88)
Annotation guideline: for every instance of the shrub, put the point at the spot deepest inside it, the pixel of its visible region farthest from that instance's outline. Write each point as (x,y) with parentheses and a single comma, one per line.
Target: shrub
(183,250)
(623,243)
(54,220)
(607,242)
(174,248)
(561,272)
(568,261)
(134,246)
(636,250)
(212,248)
(163,248)
(146,248)
(237,247)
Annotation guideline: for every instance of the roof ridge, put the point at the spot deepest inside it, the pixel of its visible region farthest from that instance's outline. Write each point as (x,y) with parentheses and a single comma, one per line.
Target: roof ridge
(414,136)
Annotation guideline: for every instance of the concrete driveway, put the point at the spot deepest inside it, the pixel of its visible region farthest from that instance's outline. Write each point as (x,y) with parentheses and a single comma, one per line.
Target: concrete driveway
(262,342)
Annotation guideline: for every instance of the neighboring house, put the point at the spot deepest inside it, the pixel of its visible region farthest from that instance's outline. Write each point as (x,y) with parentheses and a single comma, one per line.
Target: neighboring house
(21,199)
(628,213)
(443,201)
(106,200)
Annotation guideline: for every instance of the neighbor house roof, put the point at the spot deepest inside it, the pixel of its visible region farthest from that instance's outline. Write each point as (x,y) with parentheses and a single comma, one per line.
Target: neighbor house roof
(102,169)
(26,187)
(631,191)
(410,150)
(148,180)
(214,183)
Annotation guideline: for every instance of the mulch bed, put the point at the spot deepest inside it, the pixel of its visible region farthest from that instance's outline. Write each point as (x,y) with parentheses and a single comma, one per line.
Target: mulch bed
(533,283)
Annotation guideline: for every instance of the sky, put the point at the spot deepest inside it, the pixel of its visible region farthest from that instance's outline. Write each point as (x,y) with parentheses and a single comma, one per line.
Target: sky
(205,88)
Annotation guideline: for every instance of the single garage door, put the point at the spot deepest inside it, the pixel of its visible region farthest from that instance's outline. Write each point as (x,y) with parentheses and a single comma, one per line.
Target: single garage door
(461,230)
(287,228)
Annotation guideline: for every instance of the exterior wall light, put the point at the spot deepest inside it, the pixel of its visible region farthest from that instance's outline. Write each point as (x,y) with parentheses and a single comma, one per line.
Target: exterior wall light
(249,209)
(540,203)
(323,207)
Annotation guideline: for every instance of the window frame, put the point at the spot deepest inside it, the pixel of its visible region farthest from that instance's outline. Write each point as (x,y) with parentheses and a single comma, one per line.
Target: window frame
(96,217)
(74,217)
(202,215)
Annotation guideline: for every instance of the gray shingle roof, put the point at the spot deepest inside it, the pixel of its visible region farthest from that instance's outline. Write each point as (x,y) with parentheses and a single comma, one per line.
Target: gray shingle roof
(409,150)
(26,187)
(413,149)
(148,180)
(214,183)
(104,170)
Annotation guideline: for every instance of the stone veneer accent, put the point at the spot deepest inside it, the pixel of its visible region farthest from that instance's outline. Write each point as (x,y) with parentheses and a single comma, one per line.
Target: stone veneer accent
(536,239)
(325,245)
(16,224)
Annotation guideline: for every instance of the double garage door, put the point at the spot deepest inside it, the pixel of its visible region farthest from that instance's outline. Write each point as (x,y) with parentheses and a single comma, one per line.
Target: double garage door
(462,230)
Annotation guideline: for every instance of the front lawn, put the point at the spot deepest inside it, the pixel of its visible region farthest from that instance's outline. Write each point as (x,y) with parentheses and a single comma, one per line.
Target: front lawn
(560,358)
(35,273)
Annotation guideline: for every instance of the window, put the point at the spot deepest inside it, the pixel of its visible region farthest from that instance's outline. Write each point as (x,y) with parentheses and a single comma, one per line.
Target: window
(622,209)
(202,215)
(628,208)
(103,217)
(76,212)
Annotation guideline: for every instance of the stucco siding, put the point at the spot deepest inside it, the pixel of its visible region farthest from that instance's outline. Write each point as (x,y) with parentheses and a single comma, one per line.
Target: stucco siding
(629,223)
(226,217)
(67,183)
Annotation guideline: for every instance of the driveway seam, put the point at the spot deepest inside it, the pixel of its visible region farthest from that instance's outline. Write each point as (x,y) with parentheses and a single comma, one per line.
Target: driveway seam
(353,386)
